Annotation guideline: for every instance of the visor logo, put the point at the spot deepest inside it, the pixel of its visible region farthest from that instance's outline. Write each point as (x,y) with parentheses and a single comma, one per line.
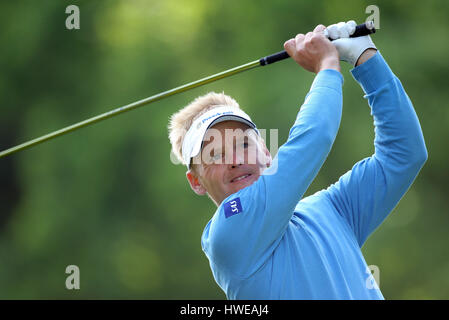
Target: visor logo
(216,115)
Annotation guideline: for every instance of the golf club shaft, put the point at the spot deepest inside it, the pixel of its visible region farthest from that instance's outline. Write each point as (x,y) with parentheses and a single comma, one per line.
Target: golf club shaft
(129,107)
(361,30)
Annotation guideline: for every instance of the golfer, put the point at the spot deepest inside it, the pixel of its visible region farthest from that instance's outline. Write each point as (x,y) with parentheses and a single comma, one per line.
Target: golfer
(265,241)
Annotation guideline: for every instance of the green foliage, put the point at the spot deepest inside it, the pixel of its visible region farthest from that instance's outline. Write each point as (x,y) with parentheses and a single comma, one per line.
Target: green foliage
(107,198)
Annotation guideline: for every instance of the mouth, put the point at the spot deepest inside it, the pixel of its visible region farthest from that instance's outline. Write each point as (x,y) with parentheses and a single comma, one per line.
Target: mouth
(241,178)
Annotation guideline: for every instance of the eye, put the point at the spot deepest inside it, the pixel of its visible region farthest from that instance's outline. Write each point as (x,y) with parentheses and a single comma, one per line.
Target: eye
(216,157)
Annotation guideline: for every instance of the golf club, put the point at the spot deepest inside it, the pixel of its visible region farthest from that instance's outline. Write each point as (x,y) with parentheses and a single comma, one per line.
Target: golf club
(361,30)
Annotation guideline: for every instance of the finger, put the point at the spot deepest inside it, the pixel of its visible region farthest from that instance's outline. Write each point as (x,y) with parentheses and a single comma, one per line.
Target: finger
(299,38)
(289,46)
(340,25)
(333,31)
(342,31)
(308,36)
(319,28)
(350,26)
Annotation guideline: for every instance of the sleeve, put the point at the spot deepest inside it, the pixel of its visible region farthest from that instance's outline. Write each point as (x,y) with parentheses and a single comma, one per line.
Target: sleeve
(251,222)
(365,195)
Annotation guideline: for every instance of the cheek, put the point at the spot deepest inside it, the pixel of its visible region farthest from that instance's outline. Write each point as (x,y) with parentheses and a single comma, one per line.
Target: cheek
(213,175)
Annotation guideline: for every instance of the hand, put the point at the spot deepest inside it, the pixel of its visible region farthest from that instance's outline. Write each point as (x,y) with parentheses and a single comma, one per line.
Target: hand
(313,51)
(349,49)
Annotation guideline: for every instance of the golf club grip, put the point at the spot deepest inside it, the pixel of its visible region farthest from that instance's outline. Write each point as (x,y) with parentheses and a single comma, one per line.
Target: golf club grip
(360,30)
(363,29)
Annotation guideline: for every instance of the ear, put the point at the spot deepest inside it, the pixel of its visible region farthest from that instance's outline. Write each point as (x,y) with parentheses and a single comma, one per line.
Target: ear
(195,183)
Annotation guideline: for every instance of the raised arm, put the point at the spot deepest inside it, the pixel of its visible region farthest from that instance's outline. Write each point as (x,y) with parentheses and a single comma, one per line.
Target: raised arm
(241,242)
(365,195)
(313,133)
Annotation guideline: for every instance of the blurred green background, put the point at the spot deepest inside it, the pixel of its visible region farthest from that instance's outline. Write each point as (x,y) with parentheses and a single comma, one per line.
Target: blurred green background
(108,199)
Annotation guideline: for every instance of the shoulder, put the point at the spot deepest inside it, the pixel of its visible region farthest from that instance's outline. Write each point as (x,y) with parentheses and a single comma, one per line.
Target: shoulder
(243,202)
(233,216)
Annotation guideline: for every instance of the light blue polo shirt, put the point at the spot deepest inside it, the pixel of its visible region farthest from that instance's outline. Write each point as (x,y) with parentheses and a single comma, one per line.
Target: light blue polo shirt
(266,242)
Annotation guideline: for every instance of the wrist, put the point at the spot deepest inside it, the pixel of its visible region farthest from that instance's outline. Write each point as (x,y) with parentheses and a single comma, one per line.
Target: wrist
(329,63)
(365,56)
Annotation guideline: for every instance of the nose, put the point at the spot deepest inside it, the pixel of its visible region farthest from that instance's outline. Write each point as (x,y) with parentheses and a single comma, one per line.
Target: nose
(238,158)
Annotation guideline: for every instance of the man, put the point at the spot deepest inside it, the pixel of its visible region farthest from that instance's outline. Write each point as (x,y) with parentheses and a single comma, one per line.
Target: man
(266,242)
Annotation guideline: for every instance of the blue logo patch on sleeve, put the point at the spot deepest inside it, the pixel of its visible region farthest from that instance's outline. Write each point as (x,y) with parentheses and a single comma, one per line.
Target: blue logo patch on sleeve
(232,207)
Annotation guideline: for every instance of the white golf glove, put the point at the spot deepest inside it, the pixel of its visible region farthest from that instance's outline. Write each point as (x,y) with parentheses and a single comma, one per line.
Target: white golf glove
(349,49)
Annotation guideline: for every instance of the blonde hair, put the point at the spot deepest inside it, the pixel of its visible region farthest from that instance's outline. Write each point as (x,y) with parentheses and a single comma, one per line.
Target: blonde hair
(181,121)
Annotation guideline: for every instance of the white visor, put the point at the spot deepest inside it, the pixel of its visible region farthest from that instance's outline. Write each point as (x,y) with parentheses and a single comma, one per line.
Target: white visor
(193,139)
